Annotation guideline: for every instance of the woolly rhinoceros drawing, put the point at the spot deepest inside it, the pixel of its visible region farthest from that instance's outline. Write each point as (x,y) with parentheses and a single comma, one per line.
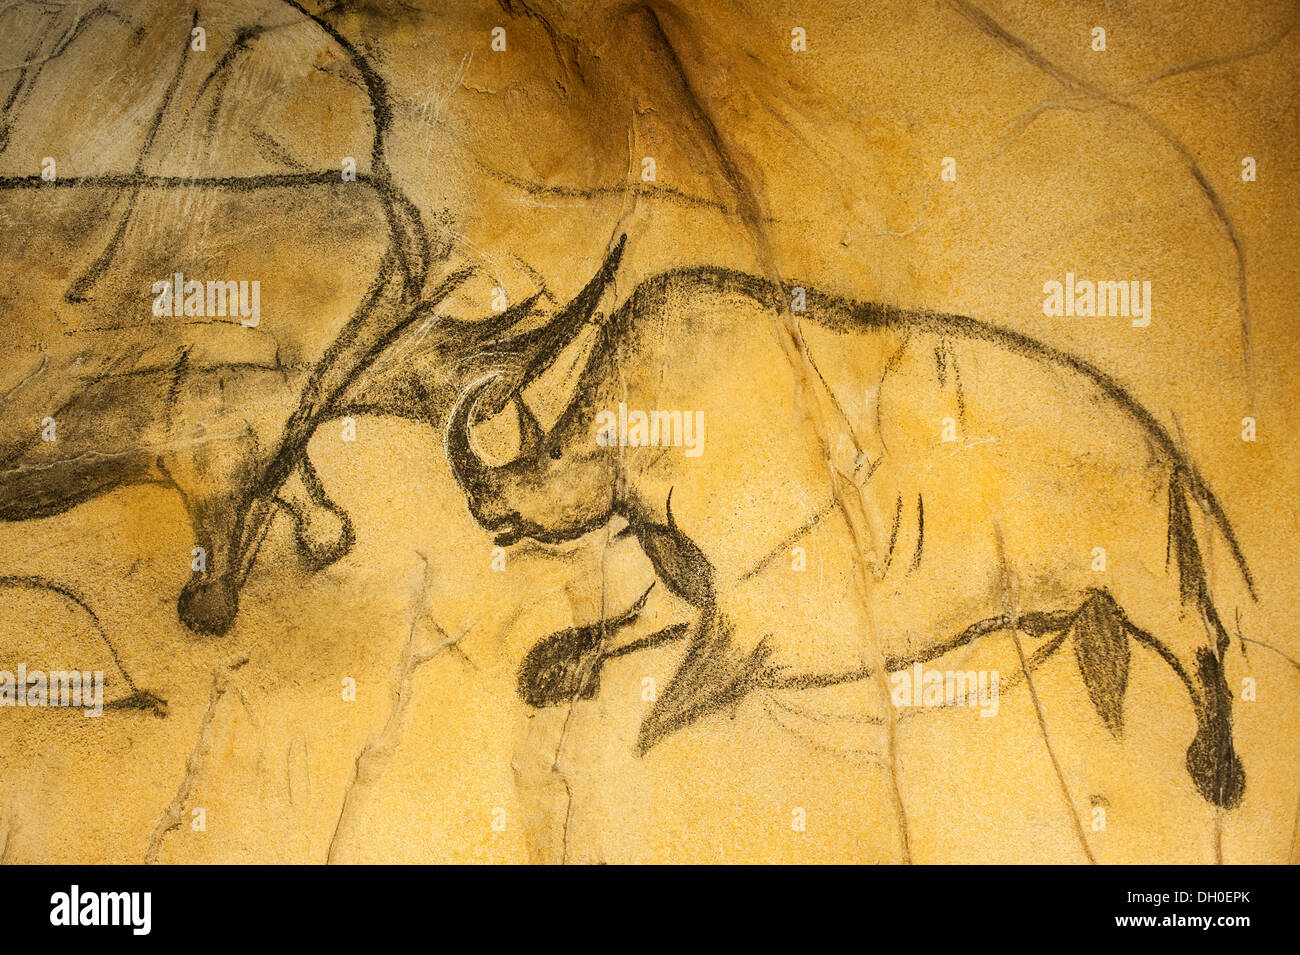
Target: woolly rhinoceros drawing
(996,468)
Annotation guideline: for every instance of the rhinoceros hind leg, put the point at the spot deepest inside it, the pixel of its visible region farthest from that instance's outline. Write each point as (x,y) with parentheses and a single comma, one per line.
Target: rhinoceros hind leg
(323,529)
(1184,639)
(1100,635)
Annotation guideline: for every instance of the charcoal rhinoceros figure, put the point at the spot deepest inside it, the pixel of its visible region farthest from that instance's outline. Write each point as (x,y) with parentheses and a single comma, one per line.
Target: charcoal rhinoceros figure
(998,467)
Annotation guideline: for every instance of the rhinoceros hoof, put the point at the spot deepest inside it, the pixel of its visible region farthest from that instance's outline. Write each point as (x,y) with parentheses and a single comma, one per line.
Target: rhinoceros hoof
(1215,768)
(324,535)
(208,607)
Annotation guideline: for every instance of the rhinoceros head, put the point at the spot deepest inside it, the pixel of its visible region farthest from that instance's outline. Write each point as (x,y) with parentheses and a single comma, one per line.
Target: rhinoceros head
(558,484)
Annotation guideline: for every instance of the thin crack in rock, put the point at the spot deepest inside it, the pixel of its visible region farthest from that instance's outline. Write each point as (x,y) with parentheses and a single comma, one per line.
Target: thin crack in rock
(571,706)
(374,756)
(1011,608)
(174,814)
(1295,836)
(861,521)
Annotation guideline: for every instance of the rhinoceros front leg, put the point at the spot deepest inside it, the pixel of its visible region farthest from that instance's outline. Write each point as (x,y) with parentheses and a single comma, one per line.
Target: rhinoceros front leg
(96,440)
(716,672)
(32,488)
(213,478)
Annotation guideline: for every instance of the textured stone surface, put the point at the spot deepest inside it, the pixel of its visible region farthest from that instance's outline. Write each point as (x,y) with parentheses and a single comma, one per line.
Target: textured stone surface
(515,171)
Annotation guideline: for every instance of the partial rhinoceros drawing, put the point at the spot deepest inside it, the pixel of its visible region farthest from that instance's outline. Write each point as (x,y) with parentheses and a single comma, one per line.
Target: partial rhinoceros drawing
(103,389)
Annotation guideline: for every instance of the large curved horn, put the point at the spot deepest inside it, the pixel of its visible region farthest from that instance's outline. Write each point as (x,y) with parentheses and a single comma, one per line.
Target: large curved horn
(531,353)
(536,350)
